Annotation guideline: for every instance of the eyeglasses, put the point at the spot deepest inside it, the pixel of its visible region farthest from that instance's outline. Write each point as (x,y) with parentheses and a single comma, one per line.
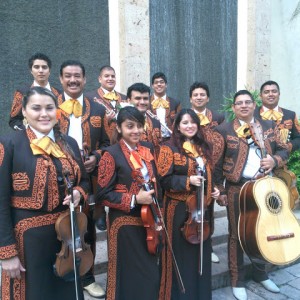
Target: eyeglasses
(239,103)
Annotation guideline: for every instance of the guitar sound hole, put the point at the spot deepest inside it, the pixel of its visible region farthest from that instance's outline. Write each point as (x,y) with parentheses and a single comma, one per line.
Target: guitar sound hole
(273,202)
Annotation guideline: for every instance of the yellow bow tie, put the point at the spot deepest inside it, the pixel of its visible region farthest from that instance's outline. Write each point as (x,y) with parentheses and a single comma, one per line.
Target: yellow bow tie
(111,96)
(72,106)
(159,102)
(272,115)
(45,145)
(203,119)
(189,147)
(142,153)
(243,131)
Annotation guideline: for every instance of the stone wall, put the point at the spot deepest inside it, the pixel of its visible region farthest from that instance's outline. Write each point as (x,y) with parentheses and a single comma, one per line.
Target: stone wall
(62,29)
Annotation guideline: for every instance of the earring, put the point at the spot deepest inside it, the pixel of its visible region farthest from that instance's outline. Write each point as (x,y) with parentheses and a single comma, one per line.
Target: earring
(25,123)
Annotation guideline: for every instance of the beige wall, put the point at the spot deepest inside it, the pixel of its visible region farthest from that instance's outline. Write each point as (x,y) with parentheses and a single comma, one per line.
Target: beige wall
(129,41)
(268,47)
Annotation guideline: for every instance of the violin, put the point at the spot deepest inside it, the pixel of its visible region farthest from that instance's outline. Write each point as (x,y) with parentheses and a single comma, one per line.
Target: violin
(75,255)
(149,218)
(152,222)
(196,229)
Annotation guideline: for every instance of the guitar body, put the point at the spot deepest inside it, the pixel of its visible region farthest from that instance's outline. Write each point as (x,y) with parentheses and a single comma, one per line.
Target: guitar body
(267,228)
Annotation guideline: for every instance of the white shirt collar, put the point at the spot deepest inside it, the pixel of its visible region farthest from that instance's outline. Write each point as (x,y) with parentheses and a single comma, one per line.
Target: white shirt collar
(266,109)
(131,149)
(243,122)
(46,87)
(80,98)
(106,91)
(163,97)
(40,135)
(202,112)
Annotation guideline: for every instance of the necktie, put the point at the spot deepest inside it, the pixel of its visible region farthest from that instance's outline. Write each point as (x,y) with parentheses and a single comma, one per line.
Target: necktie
(111,96)
(45,145)
(203,119)
(137,156)
(159,102)
(272,115)
(243,131)
(72,106)
(189,147)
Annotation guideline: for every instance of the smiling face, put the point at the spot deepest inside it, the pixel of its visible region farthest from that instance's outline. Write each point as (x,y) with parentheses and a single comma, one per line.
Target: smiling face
(187,126)
(159,86)
(131,132)
(40,113)
(140,100)
(107,79)
(199,99)
(243,108)
(40,72)
(270,96)
(73,81)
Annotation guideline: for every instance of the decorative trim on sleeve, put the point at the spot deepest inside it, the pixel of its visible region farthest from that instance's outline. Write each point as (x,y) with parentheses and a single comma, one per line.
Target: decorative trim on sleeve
(8,251)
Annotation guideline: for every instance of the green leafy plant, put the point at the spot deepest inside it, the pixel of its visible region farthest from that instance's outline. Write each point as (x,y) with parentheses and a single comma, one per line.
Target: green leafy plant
(228,102)
(294,166)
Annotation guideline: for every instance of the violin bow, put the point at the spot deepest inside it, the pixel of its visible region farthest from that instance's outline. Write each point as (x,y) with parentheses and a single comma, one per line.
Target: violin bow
(142,181)
(72,216)
(200,197)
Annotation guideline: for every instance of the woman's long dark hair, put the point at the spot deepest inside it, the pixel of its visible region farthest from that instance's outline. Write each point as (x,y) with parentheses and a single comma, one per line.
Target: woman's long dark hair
(127,113)
(59,138)
(199,138)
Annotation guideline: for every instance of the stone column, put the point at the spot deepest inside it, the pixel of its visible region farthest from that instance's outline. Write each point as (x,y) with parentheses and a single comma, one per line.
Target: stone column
(129,41)
(254,43)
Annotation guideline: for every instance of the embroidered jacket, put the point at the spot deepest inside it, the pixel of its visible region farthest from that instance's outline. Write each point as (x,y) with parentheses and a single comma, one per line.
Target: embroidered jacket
(175,170)
(214,117)
(92,124)
(109,125)
(16,116)
(231,160)
(32,182)
(116,184)
(175,107)
(289,121)
(152,133)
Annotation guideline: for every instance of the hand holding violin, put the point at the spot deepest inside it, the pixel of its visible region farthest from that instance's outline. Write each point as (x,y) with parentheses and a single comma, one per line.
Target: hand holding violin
(144,197)
(13,267)
(76,197)
(196,180)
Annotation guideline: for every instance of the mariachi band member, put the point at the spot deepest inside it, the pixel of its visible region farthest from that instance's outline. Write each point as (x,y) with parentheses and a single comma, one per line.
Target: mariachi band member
(239,160)
(40,67)
(133,273)
(83,119)
(286,120)
(32,197)
(112,101)
(178,160)
(199,98)
(163,106)
(108,97)
(138,94)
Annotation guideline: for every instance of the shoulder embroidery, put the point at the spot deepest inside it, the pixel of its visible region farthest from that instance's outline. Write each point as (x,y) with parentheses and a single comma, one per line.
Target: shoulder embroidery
(106,169)
(96,121)
(165,160)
